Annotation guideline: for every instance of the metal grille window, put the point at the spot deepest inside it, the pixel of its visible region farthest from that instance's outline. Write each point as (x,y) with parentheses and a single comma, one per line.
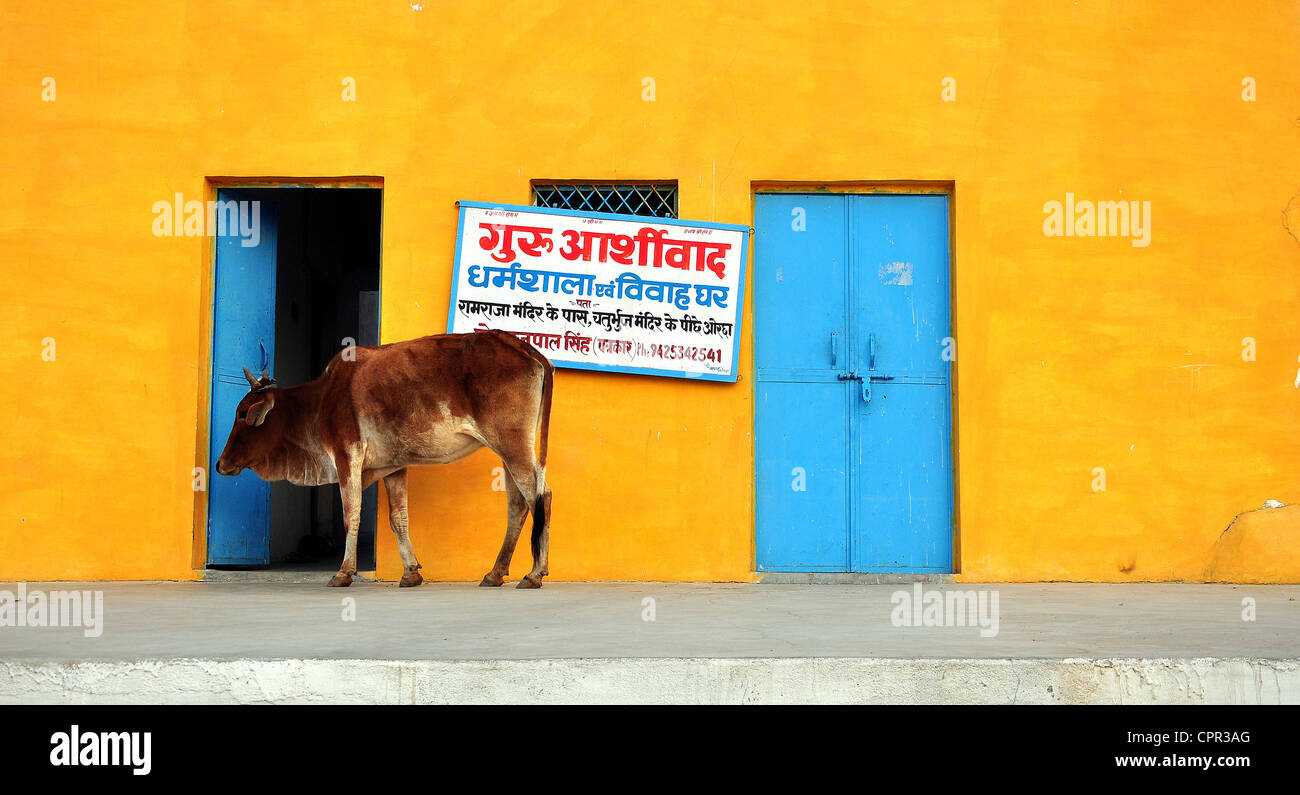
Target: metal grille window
(652,199)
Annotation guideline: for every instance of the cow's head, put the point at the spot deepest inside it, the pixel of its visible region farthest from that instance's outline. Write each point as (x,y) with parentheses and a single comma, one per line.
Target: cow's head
(250,443)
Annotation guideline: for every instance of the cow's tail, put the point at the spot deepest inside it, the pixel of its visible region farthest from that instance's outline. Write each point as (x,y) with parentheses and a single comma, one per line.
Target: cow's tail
(539,524)
(544,423)
(544,427)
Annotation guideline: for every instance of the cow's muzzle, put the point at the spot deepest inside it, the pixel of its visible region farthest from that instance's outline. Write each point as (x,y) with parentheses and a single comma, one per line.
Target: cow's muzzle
(224,469)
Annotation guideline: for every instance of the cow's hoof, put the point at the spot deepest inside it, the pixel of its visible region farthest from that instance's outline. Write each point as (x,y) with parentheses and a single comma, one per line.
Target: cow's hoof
(340,580)
(529,581)
(410,578)
(492,580)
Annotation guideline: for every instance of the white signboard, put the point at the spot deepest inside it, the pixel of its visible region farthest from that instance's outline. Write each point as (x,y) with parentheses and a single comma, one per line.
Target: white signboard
(598,291)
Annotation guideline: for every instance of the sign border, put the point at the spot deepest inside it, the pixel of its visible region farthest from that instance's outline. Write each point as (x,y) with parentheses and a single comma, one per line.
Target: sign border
(730,378)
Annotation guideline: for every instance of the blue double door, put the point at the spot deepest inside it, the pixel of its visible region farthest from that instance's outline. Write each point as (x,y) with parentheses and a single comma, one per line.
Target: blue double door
(853,346)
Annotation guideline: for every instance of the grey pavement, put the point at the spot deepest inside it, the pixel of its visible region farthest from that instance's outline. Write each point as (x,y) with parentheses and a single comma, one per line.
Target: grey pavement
(459,621)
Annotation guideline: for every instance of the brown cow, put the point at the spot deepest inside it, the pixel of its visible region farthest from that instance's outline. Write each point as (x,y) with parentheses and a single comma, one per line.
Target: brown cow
(431,400)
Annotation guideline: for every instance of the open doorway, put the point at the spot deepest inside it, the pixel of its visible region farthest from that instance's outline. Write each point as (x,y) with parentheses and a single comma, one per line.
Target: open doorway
(306,289)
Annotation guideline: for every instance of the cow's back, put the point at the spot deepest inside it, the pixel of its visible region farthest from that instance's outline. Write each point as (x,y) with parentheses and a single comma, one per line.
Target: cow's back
(397,393)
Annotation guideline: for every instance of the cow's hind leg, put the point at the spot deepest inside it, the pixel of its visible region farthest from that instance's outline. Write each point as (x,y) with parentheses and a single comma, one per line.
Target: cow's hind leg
(395,486)
(541,539)
(531,481)
(516,513)
(349,470)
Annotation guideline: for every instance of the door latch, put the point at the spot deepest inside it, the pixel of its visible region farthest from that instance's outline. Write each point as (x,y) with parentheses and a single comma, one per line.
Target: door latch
(866,385)
(867,381)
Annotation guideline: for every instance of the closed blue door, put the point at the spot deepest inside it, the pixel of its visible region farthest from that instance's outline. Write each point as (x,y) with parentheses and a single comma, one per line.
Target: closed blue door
(243,335)
(853,414)
(801,336)
(902,454)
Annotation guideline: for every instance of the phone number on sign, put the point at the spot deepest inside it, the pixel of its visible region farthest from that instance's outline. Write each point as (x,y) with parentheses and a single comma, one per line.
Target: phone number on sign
(680,352)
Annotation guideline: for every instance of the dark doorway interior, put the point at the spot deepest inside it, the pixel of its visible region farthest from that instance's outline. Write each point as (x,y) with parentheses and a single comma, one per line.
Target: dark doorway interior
(327,296)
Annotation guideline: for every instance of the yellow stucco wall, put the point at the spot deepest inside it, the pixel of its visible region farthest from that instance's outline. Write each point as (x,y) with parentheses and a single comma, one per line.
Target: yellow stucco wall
(1073,353)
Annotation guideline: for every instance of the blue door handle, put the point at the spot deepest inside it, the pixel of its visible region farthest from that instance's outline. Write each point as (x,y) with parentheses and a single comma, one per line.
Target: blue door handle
(835,348)
(871,351)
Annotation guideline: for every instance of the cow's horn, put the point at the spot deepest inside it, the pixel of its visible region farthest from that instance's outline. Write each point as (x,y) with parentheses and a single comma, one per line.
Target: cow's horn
(265,376)
(252,379)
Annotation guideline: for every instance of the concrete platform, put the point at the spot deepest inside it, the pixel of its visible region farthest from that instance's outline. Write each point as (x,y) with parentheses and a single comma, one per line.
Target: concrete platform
(246,642)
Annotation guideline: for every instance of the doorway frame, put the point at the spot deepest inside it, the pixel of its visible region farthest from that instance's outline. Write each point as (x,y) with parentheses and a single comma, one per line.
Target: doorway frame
(207,307)
(945,187)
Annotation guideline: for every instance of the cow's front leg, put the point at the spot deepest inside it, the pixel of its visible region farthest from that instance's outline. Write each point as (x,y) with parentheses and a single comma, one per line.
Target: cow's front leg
(350,490)
(395,485)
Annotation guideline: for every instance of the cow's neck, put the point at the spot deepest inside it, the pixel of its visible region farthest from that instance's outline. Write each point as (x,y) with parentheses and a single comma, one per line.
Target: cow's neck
(302,458)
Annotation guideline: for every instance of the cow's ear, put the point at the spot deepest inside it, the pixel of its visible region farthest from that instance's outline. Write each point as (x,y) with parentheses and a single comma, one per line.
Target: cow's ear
(258,411)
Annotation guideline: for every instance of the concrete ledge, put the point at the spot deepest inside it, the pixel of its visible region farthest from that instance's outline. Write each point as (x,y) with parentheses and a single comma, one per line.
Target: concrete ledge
(655,681)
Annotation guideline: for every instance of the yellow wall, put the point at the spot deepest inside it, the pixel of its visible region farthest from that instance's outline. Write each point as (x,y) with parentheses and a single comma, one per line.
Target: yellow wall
(1073,353)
